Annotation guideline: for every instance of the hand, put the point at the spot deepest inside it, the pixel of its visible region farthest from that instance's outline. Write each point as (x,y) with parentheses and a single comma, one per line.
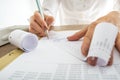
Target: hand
(38,25)
(87,33)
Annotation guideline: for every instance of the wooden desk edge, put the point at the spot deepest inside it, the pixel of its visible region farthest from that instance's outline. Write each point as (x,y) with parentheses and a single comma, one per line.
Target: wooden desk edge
(8,47)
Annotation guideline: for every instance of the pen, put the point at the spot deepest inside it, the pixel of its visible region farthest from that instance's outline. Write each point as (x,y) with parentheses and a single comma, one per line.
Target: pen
(42,15)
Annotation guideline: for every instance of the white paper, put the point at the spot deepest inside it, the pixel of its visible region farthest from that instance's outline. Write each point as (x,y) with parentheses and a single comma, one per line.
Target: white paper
(23,40)
(102,42)
(61,72)
(52,60)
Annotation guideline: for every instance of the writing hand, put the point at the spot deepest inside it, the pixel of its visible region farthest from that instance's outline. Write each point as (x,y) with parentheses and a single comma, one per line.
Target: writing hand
(38,26)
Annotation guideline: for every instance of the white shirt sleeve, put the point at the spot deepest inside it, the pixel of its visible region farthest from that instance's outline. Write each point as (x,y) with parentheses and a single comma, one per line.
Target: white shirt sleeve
(50,7)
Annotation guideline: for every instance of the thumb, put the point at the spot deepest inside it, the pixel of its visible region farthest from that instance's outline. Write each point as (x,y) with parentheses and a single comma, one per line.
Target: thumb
(117,43)
(110,62)
(78,35)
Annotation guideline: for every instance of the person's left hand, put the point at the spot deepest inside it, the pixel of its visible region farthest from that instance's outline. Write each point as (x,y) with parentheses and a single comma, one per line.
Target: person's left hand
(87,33)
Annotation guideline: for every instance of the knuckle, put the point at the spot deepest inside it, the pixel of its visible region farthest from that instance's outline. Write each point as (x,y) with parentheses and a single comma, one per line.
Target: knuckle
(37,15)
(51,19)
(93,25)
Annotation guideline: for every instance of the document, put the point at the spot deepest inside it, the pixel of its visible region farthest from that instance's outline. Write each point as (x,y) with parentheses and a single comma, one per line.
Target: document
(61,72)
(57,58)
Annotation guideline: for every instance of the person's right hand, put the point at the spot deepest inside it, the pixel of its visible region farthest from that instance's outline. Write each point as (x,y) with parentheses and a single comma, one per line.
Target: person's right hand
(38,26)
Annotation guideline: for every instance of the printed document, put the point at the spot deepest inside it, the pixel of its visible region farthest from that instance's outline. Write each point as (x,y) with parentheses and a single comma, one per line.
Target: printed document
(57,58)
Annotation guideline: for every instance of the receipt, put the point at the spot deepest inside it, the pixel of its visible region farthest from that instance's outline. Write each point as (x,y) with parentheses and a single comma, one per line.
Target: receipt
(103,42)
(24,40)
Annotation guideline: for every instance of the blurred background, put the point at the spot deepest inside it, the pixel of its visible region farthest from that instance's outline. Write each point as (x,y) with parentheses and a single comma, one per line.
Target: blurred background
(17,12)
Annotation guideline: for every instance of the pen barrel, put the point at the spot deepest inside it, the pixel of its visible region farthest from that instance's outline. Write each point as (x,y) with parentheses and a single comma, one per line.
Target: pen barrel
(40,8)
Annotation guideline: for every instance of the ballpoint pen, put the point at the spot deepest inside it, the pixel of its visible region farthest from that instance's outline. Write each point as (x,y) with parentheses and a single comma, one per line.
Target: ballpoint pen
(42,15)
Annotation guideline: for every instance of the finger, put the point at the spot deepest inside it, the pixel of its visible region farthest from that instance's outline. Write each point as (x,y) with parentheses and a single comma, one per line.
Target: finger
(117,43)
(49,20)
(35,32)
(78,35)
(85,45)
(36,27)
(40,20)
(87,39)
(32,30)
(92,61)
(110,62)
